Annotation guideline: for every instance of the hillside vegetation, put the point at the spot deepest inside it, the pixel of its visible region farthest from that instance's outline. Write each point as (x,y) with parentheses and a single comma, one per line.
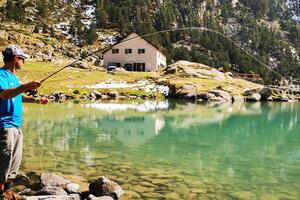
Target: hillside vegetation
(269,29)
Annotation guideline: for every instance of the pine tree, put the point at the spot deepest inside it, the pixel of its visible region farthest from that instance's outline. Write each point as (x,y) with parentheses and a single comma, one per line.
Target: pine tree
(43,9)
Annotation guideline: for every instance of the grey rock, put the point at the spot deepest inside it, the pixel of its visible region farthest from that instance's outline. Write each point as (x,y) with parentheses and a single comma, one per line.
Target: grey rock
(282,97)
(50,190)
(104,96)
(34,181)
(248,92)
(217,99)
(22,180)
(54,197)
(97,94)
(49,179)
(105,187)
(72,188)
(113,94)
(39,45)
(206,96)
(237,98)
(122,97)
(26,192)
(92,197)
(51,98)
(92,96)
(80,65)
(119,69)
(253,97)
(222,94)
(265,93)
(187,91)
(191,72)
(76,92)
(133,96)
(170,70)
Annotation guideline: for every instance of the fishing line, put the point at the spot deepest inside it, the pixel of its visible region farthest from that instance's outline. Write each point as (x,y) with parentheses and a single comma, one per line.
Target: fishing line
(166,31)
(42,143)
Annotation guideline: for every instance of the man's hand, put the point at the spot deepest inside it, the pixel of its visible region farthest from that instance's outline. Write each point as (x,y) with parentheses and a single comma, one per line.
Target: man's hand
(32,85)
(43,100)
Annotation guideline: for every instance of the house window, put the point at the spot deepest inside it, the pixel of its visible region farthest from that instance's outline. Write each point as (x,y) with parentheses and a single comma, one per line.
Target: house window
(141,51)
(115,51)
(128,51)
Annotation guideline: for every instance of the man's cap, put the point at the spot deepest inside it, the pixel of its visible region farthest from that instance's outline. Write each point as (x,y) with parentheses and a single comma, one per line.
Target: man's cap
(14,50)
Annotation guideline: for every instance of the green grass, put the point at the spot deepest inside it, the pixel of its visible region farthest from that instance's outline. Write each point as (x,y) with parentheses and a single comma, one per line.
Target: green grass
(70,79)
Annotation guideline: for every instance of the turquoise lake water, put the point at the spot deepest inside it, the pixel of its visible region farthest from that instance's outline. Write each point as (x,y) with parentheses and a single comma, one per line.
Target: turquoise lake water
(170,150)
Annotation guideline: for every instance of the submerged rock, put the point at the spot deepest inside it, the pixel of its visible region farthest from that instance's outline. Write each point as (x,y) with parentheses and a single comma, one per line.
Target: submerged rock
(243,195)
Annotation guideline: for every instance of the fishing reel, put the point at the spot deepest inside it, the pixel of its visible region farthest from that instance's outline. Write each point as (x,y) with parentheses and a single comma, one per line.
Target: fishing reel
(33,93)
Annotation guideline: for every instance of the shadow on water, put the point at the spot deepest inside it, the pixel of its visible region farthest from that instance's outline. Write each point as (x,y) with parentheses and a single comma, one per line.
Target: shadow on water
(219,150)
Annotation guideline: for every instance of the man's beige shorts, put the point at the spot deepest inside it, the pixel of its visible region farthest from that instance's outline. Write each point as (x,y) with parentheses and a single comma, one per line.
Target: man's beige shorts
(11,142)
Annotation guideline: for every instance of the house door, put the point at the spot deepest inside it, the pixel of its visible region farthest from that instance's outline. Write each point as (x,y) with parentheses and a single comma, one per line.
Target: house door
(134,67)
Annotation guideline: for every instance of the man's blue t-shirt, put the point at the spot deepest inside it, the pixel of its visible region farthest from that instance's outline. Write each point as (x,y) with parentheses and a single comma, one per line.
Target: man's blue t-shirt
(11,109)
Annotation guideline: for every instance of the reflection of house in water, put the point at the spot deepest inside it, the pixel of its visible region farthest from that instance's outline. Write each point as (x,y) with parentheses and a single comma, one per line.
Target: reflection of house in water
(133,131)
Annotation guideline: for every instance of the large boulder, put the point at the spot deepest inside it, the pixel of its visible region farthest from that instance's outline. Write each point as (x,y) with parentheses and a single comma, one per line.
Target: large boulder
(266,93)
(253,97)
(105,187)
(187,91)
(53,180)
(170,70)
(223,94)
(50,190)
(249,92)
(54,197)
(206,96)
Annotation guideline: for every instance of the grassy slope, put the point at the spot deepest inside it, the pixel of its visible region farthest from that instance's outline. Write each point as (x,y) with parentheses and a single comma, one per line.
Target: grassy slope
(70,79)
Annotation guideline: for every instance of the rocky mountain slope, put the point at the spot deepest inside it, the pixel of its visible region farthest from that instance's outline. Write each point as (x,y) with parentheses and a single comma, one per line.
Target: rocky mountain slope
(269,30)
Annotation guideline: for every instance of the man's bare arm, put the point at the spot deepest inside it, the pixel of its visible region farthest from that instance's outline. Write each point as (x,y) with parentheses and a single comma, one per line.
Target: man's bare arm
(12,92)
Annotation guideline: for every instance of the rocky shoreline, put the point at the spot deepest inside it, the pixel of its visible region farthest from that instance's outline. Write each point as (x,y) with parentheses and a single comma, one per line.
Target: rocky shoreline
(183,80)
(189,92)
(49,186)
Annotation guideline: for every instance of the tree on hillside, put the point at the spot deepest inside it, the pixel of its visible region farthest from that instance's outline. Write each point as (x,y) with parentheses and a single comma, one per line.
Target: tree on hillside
(101,14)
(90,35)
(43,8)
(15,10)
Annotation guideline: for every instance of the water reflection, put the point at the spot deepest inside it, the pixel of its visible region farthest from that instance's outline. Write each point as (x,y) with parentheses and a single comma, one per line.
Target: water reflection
(241,145)
(141,107)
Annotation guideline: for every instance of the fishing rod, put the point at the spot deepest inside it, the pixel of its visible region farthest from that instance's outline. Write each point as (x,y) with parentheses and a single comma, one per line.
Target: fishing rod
(166,31)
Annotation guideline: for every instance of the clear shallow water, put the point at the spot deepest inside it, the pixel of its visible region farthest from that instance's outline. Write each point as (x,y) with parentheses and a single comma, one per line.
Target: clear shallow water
(170,150)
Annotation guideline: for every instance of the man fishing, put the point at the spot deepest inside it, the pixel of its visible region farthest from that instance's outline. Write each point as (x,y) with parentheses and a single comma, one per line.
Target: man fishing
(11,97)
